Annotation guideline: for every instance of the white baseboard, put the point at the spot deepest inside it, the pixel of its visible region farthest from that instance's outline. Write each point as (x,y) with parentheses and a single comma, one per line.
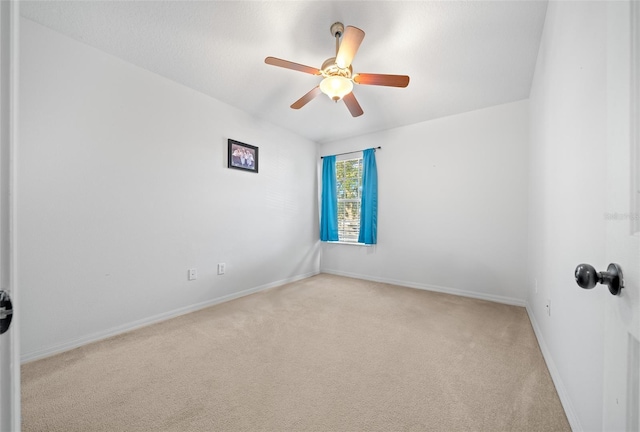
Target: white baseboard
(94,337)
(436,288)
(574,422)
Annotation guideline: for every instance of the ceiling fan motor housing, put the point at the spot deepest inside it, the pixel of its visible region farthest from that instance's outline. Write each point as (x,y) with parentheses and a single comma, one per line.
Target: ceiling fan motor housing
(330,68)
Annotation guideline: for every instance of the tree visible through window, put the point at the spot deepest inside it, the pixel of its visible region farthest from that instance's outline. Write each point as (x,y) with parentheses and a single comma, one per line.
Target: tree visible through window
(349,189)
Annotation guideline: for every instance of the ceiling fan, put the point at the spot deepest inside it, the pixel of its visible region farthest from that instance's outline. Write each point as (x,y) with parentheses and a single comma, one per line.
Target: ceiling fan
(338,73)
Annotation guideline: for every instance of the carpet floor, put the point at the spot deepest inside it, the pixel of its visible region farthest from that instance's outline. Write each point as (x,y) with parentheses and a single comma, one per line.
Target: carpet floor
(326,353)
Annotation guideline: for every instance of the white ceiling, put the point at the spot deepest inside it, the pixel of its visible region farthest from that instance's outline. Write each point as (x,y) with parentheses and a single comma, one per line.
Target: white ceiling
(460,55)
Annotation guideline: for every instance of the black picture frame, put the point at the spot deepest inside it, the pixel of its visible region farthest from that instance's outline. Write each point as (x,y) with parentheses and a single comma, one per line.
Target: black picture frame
(242,156)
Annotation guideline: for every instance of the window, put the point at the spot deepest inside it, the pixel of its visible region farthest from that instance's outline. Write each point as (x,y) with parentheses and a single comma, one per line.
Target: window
(349,210)
(349,189)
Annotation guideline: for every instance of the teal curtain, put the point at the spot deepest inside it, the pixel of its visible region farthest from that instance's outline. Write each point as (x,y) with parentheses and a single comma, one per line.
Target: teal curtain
(329,212)
(369,200)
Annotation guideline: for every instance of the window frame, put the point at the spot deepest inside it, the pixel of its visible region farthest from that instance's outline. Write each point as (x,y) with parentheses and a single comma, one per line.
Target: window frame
(358,200)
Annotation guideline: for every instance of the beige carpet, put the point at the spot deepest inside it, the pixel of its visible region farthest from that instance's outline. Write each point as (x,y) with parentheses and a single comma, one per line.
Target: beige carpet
(324,354)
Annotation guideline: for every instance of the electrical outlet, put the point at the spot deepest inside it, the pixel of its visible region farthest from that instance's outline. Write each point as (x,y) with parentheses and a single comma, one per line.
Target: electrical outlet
(192,274)
(548,307)
(221,268)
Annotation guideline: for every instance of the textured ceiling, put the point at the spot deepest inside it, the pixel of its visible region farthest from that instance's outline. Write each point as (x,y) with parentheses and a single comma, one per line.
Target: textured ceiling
(460,55)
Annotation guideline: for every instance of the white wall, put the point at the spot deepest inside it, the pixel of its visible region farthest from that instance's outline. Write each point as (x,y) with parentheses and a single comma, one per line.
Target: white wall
(123,186)
(452,206)
(567,165)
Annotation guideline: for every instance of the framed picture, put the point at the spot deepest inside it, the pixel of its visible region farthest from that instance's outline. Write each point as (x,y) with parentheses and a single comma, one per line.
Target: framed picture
(242,156)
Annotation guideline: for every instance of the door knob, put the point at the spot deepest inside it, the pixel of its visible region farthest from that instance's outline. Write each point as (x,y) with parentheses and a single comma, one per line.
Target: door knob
(587,277)
(6,311)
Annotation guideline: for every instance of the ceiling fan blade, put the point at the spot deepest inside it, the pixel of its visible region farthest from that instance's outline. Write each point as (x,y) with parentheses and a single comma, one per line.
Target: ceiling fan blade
(351,41)
(352,103)
(382,80)
(291,65)
(306,98)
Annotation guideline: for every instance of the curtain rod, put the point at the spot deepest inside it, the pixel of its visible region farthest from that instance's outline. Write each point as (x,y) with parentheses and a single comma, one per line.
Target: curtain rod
(340,154)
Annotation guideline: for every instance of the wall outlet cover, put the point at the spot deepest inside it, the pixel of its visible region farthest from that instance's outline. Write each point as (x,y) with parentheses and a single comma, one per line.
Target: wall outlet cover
(548,307)
(192,274)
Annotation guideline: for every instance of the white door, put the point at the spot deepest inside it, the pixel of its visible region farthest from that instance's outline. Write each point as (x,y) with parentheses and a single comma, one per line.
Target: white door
(9,348)
(621,404)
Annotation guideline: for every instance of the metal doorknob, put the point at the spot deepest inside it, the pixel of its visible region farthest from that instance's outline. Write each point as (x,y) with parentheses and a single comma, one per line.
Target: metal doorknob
(6,311)
(587,277)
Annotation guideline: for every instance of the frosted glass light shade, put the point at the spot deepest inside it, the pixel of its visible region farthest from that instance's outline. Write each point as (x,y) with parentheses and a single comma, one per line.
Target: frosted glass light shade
(336,87)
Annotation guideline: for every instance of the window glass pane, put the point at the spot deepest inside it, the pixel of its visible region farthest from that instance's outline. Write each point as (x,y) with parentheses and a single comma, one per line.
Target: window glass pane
(349,185)
(351,188)
(351,221)
(339,170)
(340,211)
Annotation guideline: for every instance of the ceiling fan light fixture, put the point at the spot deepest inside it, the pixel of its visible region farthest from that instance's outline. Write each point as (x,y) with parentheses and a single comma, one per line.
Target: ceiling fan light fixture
(337,72)
(336,87)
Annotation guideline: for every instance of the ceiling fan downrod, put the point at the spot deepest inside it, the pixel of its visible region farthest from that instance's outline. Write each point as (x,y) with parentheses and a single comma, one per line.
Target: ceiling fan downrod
(336,29)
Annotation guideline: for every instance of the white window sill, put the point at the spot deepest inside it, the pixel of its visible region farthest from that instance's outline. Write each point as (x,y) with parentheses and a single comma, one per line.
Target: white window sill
(349,243)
